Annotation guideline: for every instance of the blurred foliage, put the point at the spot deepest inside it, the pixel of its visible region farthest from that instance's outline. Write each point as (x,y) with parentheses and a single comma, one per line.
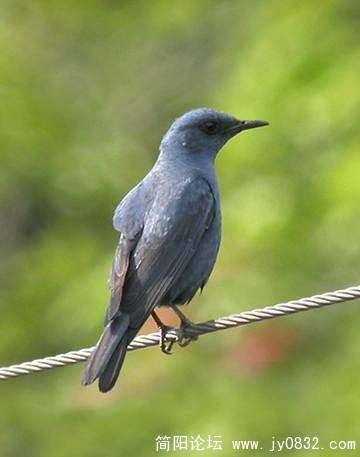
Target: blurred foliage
(87,91)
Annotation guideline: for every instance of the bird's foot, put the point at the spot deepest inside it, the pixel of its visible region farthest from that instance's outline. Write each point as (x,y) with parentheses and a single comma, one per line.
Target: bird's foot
(183,338)
(165,345)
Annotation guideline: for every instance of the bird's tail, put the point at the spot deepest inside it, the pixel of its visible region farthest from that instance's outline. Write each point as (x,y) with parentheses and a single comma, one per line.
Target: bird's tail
(108,356)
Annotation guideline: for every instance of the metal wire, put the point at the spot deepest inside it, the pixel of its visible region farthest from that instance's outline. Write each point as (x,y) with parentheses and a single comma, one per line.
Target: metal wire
(191,332)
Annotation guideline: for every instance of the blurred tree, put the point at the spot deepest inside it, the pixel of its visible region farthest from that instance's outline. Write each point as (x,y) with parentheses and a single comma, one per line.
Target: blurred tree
(87,91)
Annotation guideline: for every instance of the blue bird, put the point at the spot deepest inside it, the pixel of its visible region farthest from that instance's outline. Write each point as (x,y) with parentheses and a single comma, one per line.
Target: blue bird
(170,226)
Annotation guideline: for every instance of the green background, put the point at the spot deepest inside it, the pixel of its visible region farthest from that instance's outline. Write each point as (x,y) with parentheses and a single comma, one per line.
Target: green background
(87,89)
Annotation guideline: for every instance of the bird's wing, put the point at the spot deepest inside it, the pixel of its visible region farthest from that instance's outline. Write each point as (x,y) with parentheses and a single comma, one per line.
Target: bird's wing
(118,273)
(129,220)
(171,235)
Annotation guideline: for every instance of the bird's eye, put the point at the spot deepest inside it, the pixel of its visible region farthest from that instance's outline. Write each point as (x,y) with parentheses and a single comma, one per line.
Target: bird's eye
(211,127)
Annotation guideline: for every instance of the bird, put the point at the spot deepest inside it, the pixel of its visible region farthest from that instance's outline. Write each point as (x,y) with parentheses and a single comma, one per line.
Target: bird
(170,230)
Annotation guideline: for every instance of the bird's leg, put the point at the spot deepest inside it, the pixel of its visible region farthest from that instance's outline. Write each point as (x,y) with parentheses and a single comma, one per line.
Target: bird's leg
(184,323)
(165,348)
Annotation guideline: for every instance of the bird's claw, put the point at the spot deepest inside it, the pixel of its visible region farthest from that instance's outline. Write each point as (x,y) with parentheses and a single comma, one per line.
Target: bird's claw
(165,346)
(184,339)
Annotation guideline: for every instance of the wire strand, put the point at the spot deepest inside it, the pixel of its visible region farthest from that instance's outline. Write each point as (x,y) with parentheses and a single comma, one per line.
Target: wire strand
(191,332)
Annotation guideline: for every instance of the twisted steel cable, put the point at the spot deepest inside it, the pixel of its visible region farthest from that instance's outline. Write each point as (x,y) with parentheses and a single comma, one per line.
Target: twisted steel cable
(191,332)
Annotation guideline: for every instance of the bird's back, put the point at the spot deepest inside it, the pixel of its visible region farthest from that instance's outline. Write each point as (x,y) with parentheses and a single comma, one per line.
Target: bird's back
(177,247)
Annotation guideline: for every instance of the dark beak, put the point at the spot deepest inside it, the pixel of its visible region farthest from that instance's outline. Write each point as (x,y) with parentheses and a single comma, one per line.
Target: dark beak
(246,125)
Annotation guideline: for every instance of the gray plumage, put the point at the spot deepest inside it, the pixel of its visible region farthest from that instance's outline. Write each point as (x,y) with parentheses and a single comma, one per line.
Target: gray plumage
(170,226)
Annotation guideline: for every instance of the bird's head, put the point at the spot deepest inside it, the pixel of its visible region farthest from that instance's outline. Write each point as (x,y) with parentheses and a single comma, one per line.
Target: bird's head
(204,131)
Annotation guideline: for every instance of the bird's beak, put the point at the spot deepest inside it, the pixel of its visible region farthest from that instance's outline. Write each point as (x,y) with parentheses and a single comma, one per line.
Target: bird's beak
(246,125)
